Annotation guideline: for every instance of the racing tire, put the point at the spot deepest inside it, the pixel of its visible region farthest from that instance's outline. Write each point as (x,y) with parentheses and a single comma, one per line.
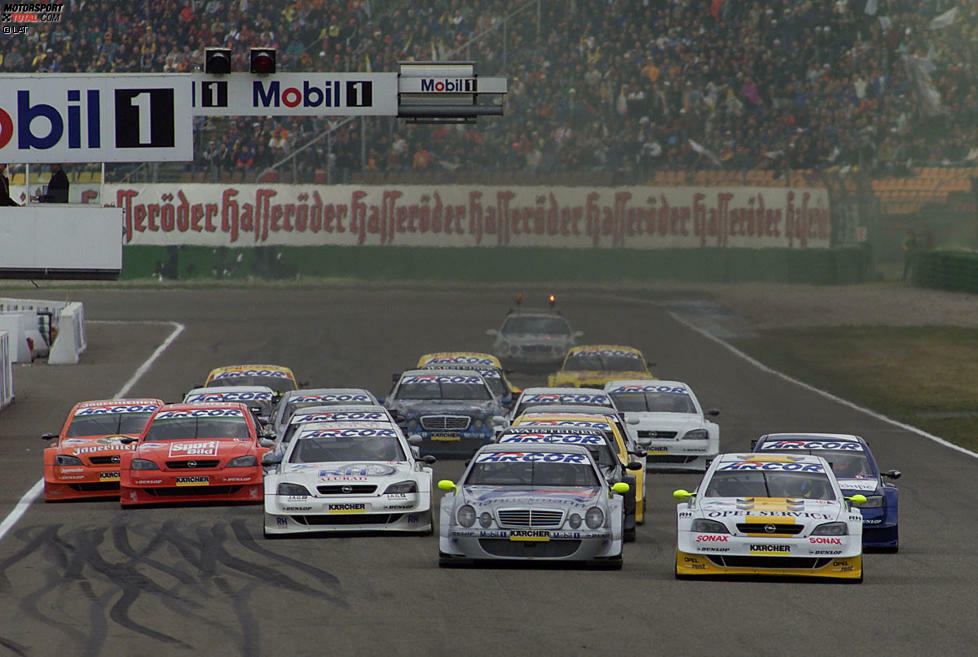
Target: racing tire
(614,563)
(448,561)
(629,534)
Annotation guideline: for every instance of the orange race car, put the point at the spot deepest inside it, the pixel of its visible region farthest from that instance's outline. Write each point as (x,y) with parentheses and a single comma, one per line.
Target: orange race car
(84,463)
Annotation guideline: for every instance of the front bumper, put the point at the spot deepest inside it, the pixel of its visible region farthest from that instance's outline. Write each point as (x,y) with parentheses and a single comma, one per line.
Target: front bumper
(878,530)
(534,545)
(166,487)
(303,515)
(81,482)
(834,567)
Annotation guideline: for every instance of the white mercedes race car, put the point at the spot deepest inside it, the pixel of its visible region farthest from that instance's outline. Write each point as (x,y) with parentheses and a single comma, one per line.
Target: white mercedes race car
(666,420)
(540,502)
(345,478)
(760,514)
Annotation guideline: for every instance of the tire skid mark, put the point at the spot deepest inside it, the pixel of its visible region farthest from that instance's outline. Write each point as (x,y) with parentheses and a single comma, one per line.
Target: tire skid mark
(247,541)
(189,567)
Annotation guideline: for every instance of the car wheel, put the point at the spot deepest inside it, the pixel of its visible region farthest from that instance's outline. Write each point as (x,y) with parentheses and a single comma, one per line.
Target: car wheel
(447,560)
(615,563)
(629,534)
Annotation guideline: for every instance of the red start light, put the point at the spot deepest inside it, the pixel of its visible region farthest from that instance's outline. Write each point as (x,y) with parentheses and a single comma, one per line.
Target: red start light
(519,298)
(263,61)
(552,300)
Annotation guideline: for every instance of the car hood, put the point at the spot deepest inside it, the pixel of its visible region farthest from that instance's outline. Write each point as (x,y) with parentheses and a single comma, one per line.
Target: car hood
(864,486)
(95,445)
(347,472)
(220,448)
(800,511)
(491,498)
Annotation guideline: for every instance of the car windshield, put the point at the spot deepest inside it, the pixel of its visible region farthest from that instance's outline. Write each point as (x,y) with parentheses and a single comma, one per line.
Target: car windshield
(442,387)
(188,428)
(848,464)
(770,483)
(655,402)
(532,474)
(276,383)
(601,451)
(346,448)
(536,325)
(605,361)
(106,424)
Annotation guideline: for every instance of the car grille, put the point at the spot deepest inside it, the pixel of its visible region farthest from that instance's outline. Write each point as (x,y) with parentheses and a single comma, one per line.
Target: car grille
(656,434)
(192,464)
(502,547)
(445,422)
(356,519)
(810,563)
(192,491)
(361,489)
(779,528)
(530,517)
(104,460)
(95,487)
(537,349)
(669,458)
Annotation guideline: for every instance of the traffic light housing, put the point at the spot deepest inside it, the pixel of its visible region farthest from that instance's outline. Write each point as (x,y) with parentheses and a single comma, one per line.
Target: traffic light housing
(217,61)
(263,61)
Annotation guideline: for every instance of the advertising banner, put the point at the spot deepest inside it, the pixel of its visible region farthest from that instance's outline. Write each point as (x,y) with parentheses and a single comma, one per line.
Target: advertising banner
(471,216)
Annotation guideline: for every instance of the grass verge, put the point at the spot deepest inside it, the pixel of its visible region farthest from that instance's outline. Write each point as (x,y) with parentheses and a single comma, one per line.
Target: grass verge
(923,376)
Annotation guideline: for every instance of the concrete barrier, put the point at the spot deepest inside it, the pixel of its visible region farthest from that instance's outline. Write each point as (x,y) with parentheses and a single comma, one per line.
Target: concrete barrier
(16,325)
(44,323)
(71,341)
(6,371)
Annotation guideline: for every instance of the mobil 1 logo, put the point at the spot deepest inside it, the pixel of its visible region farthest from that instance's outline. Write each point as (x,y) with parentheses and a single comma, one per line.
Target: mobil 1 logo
(144,118)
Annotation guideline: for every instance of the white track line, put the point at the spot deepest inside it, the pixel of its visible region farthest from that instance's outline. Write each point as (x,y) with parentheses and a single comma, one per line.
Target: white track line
(30,496)
(761,366)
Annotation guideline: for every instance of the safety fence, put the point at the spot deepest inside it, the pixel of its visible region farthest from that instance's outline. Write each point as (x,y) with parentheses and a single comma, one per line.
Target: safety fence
(946,270)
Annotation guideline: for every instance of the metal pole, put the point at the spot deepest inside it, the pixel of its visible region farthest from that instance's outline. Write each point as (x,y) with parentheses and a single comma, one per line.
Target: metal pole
(363,144)
(27,181)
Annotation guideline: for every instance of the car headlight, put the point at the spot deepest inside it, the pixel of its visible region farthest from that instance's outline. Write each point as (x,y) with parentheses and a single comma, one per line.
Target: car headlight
(143,464)
(485,519)
(594,517)
(65,459)
(243,461)
(574,521)
(402,487)
(831,529)
(706,526)
(295,490)
(696,434)
(872,502)
(466,516)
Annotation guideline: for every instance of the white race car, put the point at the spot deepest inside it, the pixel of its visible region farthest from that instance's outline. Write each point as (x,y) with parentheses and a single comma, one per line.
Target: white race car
(543,396)
(759,514)
(293,400)
(260,399)
(666,420)
(344,478)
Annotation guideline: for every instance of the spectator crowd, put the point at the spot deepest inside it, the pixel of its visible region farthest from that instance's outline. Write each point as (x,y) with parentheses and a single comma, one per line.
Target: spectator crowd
(624,85)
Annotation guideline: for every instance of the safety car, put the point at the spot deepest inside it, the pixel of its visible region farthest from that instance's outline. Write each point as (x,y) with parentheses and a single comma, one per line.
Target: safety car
(665,418)
(603,450)
(533,339)
(857,472)
(276,377)
(473,360)
(454,412)
(194,453)
(769,514)
(260,399)
(542,502)
(592,366)
(611,425)
(84,462)
(293,400)
(341,477)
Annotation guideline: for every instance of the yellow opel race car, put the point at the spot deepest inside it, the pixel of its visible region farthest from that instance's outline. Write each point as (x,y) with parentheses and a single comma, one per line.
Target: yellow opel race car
(278,378)
(592,366)
(470,359)
(608,424)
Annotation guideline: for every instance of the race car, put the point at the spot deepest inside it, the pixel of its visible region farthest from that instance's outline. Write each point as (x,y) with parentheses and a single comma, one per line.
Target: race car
(533,340)
(84,463)
(342,477)
(278,378)
(857,472)
(194,453)
(603,450)
(541,397)
(592,366)
(292,400)
(260,399)
(369,416)
(543,502)
(473,360)
(769,514)
(609,424)
(454,412)
(665,418)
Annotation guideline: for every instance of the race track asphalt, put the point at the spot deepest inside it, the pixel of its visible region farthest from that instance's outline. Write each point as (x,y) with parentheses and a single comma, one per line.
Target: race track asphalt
(88,579)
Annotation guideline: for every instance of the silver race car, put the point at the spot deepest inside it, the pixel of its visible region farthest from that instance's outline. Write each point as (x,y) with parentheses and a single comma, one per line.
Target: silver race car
(533,340)
(541,502)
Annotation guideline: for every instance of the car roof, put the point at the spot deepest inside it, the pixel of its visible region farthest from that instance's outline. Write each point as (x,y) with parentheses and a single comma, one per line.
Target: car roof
(233,368)
(312,392)
(437,372)
(339,408)
(769,458)
(480,355)
(191,406)
(570,409)
(236,389)
(561,390)
(617,383)
(836,437)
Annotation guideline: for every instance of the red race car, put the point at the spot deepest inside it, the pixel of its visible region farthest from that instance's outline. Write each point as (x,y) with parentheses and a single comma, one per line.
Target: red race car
(84,463)
(195,453)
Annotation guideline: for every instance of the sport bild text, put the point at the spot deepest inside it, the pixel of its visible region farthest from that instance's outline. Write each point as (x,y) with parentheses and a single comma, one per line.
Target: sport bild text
(486,218)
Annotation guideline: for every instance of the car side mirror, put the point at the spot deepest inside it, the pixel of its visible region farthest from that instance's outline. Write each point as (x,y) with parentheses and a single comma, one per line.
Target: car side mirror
(633,421)
(634,465)
(414,439)
(578,334)
(48,436)
(128,440)
(892,474)
(271,458)
(650,363)
(753,444)
(713,412)
(395,377)
(381,400)
(492,332)
(429,459)
(265,442)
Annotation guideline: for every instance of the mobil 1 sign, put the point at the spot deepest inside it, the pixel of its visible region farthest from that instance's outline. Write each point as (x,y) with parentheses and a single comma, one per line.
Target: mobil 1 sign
(114,117)
(295,94)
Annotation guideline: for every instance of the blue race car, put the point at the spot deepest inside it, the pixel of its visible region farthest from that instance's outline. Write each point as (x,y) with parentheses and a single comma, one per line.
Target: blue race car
(857,472)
